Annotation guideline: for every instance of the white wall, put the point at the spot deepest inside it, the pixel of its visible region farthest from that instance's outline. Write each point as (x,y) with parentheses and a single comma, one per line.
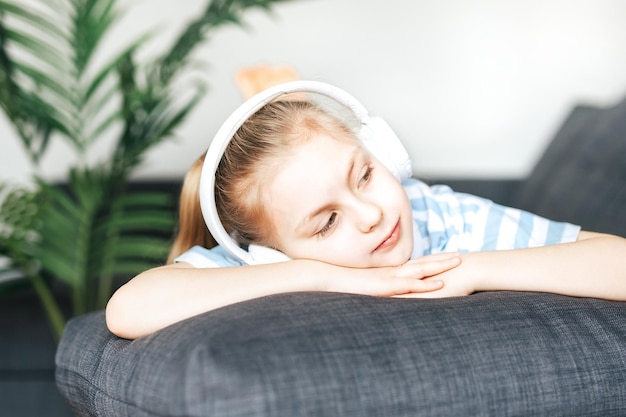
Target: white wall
(475,88)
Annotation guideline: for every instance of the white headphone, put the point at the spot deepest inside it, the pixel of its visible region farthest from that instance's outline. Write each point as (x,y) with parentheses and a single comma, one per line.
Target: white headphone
(374,132)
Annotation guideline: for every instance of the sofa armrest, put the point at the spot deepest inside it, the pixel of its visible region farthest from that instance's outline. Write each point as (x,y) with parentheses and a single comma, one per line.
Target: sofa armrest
(327,354)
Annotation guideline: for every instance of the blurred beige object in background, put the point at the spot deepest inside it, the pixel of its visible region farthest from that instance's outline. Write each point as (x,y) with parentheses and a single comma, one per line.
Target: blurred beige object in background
(253,80)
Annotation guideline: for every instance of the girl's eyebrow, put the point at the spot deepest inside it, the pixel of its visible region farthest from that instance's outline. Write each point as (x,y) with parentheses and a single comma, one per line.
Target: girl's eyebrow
(328,206)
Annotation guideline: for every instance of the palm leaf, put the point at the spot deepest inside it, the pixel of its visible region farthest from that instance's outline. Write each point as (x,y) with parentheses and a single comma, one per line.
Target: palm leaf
(141,247)
(147,220)
(144,212)
(63,251)
(38,47)
(91,20)
(111,67)
(99,90)
(160,119)
(43,22)
(146,199)
(167,116)
(135,233)
(42,79)
(25,90)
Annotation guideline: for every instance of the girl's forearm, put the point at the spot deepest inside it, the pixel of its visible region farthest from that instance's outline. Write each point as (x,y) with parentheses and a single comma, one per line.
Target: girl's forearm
(162,296)
(592,267)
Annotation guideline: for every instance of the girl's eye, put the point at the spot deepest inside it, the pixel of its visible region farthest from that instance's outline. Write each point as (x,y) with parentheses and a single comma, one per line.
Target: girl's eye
(329,224)
(366,176)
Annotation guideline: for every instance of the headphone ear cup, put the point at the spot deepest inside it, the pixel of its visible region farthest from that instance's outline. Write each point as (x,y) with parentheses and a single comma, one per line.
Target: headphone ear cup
(265,255)
(380,139)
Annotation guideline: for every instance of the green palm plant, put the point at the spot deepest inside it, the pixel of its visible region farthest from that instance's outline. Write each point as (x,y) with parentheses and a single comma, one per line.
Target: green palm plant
(52,87)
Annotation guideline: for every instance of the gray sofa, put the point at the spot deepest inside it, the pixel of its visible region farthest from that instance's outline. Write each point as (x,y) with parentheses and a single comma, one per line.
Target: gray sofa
(328,354)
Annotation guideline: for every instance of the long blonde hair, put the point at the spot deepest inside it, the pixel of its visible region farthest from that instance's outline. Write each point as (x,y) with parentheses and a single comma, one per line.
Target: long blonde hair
(247,164)
(191,227)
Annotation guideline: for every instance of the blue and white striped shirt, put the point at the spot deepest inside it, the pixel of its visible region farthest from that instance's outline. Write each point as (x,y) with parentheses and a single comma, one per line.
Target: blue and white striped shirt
(446,221)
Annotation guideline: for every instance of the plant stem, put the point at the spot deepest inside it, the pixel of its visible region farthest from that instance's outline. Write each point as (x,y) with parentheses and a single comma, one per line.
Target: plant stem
(51,307)
(112,238)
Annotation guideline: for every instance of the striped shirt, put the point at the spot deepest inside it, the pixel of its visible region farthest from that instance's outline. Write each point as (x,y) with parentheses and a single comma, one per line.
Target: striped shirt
(446,221)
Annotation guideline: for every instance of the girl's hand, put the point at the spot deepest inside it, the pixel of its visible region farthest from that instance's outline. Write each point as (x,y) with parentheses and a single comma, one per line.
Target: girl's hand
(457,282)
(399,280)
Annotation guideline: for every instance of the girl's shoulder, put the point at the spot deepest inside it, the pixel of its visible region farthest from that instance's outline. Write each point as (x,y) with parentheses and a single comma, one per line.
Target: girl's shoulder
(459,221)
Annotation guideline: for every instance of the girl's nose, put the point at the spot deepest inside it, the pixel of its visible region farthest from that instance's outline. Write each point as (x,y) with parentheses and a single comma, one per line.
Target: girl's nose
(369,216)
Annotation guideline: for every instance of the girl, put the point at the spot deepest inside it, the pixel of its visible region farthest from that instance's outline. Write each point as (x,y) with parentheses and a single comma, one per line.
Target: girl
(296,179)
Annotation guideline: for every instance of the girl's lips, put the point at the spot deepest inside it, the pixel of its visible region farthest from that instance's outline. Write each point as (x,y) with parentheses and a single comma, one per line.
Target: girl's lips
(390,240)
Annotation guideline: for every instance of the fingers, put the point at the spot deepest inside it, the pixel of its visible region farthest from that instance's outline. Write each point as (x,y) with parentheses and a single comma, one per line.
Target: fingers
(414,277)
(424,286)
(430,265)
(407,285)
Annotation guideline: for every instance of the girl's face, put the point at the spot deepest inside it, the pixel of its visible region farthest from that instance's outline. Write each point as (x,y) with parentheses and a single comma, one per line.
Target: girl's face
(330,200)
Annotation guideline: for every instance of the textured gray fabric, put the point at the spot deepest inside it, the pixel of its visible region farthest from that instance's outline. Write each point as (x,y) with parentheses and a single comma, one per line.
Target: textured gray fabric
(325,354)
(581,177)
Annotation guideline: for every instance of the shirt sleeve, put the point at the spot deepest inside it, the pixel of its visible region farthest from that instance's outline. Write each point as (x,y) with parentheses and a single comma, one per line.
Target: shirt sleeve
(216,257)
(449,221)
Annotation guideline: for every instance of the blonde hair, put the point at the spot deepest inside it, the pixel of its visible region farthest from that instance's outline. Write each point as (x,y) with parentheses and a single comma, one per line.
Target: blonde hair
(191,227)
(247,164)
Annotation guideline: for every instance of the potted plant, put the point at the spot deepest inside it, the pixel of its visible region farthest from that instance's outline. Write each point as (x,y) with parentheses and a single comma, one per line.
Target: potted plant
(89,230)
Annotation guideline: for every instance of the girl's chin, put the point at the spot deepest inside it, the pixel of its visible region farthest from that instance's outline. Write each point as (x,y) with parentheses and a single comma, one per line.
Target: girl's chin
(391,260)
(396,258)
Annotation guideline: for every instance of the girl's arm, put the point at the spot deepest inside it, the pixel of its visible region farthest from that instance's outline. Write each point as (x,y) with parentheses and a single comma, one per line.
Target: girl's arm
(593,266)
(165,295)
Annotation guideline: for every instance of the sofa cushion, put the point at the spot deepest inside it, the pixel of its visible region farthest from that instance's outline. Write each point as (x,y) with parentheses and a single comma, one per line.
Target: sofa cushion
(581,177)
(327,354)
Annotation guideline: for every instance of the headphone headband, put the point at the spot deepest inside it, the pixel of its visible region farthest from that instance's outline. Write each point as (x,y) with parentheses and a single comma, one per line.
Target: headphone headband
(237,119)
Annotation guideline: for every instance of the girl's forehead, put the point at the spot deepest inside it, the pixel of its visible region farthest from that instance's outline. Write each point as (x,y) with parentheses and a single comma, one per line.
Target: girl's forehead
(313,172)
(329,148)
